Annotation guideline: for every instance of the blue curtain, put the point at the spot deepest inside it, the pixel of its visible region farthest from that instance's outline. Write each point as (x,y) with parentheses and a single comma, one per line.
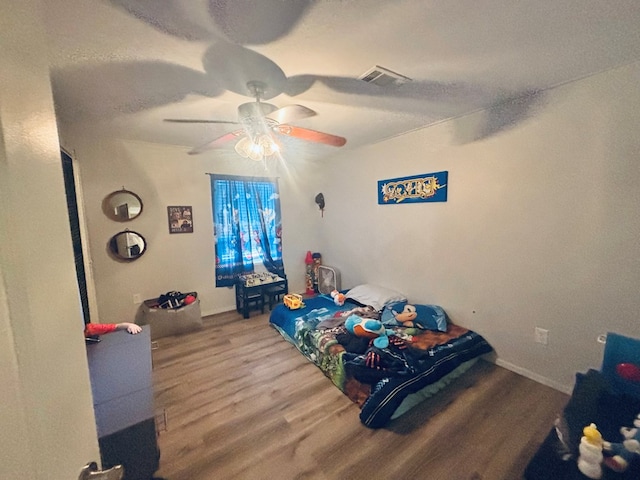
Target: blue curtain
(247,226)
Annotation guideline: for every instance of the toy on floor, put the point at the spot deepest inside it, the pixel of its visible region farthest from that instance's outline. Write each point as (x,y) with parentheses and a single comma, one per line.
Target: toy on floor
(338,298)
(625,452)
(368,328)
(590,460)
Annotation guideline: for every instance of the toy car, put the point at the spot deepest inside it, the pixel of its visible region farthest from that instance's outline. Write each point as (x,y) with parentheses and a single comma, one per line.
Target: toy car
(293,301)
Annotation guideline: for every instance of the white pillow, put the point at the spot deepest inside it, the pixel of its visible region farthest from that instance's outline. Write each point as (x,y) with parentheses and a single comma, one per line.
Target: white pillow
(374,295)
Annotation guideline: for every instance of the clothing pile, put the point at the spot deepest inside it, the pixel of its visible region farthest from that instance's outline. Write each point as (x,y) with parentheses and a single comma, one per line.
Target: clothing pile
(176,299)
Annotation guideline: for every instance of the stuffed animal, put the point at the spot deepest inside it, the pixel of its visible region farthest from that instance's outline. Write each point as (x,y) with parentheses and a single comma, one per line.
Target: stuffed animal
(338,298)
(368,328)
(413,315)
(625,451)
(590,460)
(406,316)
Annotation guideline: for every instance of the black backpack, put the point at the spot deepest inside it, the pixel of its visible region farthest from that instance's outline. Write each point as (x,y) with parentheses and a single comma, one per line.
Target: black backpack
(171,299)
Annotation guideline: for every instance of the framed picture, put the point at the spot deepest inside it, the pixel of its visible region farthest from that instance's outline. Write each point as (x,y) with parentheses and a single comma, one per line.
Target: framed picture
(180,219)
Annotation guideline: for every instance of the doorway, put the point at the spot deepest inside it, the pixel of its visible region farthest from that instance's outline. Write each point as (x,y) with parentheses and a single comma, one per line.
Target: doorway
(76,238)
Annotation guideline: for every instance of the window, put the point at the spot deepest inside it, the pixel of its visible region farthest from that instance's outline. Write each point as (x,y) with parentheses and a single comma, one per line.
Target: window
(247,226)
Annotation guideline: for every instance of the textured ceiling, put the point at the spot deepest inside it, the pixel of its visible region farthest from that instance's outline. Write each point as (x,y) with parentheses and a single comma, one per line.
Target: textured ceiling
(125,65)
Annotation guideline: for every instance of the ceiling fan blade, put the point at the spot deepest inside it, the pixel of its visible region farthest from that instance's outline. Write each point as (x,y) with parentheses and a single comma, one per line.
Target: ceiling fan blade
(218,142)
(277,19)
(187,120)
(290,113)
(311,135)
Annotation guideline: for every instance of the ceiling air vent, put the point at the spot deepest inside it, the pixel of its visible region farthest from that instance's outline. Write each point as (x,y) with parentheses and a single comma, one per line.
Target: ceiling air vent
(383,76)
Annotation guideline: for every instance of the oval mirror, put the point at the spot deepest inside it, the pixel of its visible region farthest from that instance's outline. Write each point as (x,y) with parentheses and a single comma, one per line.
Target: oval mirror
(127,245)
(122,205)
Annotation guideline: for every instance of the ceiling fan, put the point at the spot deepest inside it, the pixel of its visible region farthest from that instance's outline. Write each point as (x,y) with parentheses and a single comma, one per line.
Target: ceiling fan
(259,121)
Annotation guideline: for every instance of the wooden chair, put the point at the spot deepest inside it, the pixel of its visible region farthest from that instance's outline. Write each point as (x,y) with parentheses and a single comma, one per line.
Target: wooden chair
(249,298)
(273,294)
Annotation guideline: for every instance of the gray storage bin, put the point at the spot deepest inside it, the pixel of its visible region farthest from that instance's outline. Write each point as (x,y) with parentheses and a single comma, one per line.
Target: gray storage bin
(169,321)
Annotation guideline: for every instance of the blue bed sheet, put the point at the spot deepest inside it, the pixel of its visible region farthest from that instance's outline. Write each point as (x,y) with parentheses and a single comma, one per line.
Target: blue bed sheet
(319,307)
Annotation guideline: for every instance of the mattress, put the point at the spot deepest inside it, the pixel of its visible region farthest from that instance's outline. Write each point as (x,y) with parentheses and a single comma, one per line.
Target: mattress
(384,382)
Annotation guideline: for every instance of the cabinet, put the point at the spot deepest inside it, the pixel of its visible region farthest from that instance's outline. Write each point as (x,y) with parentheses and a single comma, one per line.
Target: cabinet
(122,387)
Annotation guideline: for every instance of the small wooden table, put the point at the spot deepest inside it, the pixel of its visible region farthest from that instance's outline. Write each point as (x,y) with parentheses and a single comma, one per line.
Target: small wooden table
(252,297)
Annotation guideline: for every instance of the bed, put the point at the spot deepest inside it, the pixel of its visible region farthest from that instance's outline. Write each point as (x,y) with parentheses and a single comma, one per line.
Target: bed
(386,376)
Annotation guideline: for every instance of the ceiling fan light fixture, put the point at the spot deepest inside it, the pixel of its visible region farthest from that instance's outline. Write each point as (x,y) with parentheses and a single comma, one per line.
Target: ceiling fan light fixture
(267,145)
(256,149)
(255,153)
(258,121)
(243,146)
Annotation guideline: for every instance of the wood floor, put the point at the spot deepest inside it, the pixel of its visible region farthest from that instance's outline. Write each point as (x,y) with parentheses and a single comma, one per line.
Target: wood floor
(242,403)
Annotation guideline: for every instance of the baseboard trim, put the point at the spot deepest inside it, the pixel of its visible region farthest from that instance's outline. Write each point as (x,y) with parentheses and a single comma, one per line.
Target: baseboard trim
(534,376)
(216,311)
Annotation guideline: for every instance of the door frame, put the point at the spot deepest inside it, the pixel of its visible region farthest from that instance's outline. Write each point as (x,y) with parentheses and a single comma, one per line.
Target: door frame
(86,252)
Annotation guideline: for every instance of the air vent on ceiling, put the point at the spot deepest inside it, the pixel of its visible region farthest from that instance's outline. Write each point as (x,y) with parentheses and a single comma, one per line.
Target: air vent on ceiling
(383,76)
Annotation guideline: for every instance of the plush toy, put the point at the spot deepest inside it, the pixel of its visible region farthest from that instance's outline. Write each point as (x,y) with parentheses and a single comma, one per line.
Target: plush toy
(406,316)
(368,328)
(413,315)
(625,451)
(338,298)
(590,460)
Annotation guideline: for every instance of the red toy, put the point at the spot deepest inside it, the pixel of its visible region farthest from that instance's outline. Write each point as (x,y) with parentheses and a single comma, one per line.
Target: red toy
(92,329)
(628,371)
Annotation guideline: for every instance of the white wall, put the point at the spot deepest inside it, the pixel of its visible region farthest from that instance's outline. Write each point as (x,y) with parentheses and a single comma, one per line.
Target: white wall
(541,226)
(164,176)
(46,411)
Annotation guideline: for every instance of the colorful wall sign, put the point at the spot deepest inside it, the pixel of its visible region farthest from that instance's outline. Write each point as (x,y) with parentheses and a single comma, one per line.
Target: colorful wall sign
(429,187)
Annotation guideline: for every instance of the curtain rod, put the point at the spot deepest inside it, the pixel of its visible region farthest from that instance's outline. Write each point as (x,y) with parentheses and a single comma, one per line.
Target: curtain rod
(240,176)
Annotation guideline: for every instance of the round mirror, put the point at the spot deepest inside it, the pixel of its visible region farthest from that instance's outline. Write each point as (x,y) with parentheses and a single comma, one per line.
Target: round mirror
(127,245)
(122,206)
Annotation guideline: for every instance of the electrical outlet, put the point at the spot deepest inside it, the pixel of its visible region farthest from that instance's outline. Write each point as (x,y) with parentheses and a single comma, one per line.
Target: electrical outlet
(541,336)
(137,298)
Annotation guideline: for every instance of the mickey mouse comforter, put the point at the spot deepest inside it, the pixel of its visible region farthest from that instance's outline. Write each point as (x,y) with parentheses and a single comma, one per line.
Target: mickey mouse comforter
(376,375)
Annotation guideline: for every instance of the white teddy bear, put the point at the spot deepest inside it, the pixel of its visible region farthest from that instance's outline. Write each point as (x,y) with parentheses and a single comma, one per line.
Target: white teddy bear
(590,460)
